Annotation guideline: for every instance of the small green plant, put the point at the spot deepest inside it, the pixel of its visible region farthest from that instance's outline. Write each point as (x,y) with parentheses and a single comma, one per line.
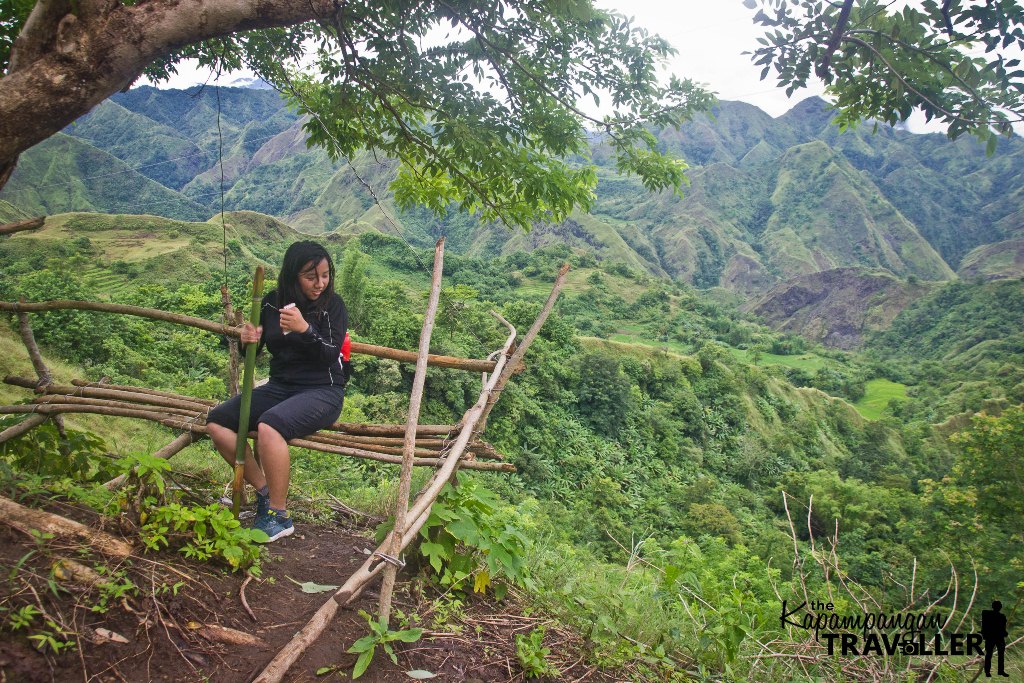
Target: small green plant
(466,535)
(114,589)
(379,635)
(448,612)
(43,452)
(144,488)
(532,654)
(22,617)
(54,638)
(204,533)
(51,636)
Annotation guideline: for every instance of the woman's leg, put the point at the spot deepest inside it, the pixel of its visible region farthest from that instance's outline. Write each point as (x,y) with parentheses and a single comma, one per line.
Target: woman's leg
(222,426)
(225,441)
(276,463)
(300,415)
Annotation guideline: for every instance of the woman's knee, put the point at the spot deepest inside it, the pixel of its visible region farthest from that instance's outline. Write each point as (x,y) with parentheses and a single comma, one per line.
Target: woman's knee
(217,431)
(265,431)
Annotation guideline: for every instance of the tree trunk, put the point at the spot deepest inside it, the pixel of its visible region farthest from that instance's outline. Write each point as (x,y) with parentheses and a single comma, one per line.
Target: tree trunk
(72,56)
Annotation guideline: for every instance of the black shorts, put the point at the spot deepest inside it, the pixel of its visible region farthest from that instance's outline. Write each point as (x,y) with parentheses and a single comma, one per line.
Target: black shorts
(293,411)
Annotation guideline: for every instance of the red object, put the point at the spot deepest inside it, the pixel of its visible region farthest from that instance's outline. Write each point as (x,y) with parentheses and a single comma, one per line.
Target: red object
(346,348)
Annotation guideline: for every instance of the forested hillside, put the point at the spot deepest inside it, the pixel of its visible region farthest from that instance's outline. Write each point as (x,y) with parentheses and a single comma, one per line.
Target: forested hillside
(651,422)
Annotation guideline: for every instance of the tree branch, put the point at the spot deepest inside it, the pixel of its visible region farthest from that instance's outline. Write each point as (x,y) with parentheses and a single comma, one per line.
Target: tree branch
(835,39)
(45,90)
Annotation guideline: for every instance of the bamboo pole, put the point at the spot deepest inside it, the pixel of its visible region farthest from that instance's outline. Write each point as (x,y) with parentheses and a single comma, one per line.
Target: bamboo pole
(26,519)
(409,447)
(47,399)
(141,390)
(489,466)
(366,429)
(420,511)
(244,408)
(470,364)
(193,425)
(18,226)
(113,394)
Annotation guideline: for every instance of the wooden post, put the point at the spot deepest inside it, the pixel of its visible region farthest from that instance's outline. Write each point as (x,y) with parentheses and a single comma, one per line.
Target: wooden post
(243,412)
(409,446)
(43,373)
(230,319)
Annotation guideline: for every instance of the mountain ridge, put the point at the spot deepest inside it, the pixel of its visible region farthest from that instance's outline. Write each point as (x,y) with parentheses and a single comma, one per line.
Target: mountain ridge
(769,200)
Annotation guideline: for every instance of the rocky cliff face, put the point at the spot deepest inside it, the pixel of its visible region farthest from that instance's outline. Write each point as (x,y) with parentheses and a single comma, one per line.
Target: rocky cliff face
(837,307)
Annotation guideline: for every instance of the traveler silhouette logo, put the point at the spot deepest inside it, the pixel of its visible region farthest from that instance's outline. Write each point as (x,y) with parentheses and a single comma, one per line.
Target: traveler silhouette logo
(993,630)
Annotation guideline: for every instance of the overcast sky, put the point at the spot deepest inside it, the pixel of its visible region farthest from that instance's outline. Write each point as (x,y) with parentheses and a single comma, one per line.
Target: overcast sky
(710,36)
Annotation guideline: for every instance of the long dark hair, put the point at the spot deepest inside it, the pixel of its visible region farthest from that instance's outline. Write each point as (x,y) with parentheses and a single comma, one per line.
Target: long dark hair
(296,259)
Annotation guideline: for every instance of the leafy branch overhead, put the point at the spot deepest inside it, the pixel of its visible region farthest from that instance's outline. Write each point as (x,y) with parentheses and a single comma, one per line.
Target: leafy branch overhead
(955,61)
(487,106)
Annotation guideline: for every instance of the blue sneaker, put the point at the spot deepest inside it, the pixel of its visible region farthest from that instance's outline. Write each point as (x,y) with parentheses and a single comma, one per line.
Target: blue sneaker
(275,526)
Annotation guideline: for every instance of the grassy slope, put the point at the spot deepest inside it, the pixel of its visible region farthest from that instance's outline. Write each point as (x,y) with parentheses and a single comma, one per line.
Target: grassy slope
(877,394)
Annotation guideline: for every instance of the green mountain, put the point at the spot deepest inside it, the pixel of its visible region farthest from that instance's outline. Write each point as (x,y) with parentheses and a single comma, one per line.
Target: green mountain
(169,157)
(769,200)
(65,174)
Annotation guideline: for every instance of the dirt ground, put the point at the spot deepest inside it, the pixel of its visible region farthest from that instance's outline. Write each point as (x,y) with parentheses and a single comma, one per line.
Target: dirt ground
(180,638)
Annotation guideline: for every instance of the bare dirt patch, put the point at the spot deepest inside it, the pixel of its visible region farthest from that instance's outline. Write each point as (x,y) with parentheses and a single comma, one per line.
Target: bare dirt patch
(201,631)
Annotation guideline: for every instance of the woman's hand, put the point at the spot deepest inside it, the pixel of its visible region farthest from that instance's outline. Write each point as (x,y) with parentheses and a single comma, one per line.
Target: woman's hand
(250,334)
(292,320)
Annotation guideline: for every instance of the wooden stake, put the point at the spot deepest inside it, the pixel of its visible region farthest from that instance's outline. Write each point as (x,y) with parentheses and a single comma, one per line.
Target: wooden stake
(43,372)
(409,447)
(244,409)
(229,318)
(22,427)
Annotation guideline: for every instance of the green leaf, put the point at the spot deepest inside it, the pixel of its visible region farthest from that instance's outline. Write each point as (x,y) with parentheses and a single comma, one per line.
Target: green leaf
(364,644)
(310,587)
(362,663)
(407,636)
